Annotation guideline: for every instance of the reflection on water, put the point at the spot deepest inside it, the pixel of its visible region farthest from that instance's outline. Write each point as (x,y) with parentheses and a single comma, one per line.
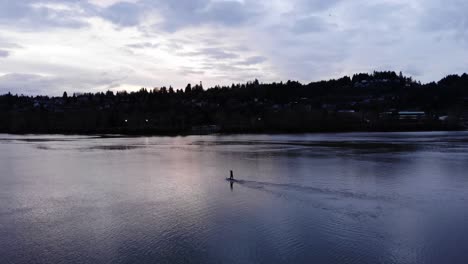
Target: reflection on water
(315,198)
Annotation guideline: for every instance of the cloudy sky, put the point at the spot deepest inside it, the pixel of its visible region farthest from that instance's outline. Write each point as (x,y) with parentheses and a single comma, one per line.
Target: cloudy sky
(49,46)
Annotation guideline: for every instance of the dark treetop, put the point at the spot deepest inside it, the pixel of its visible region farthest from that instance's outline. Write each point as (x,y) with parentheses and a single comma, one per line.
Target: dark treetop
(380,101)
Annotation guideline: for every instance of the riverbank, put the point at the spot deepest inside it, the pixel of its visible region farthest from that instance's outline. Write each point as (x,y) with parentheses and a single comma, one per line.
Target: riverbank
(153,132)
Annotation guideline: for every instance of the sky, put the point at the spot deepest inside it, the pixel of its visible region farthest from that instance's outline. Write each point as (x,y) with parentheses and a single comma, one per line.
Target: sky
(51,46)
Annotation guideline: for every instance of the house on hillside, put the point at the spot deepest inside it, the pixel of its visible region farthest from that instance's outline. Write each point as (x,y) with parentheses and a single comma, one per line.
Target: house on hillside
(411,115)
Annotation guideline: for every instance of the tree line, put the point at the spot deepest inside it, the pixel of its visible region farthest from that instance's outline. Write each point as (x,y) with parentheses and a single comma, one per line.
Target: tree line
(362,102)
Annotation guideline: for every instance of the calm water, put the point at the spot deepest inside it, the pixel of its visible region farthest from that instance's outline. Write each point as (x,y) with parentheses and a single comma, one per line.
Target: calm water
(321,198)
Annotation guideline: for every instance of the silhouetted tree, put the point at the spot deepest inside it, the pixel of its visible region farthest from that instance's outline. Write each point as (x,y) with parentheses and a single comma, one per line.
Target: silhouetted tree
(348,103)
(188,88)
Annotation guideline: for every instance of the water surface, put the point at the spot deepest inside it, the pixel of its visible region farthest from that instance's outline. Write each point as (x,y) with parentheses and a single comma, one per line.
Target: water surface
(315,198)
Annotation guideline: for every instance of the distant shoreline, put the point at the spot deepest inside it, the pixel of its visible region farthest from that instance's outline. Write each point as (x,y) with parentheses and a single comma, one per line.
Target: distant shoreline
(183,134)
(381,101)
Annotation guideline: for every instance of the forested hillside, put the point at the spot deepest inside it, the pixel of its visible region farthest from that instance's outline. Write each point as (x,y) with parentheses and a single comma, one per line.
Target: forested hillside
(381,101)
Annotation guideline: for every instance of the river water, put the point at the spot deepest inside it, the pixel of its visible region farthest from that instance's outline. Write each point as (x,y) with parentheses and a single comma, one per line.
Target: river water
(314,198)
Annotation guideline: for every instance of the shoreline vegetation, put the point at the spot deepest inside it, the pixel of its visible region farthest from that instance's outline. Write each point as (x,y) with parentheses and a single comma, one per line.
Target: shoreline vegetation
(381,101)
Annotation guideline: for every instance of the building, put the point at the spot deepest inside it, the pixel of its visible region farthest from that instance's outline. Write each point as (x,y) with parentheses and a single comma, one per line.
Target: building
(411,115)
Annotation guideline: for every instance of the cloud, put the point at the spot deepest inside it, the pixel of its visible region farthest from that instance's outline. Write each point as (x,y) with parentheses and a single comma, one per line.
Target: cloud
(309,24)
(445,18)
(143,45)
(25,83)
(190,13)
(4,53)
(253,60)
(177,15)
(107,3)
(123,13)
(70,44)
(212,53)
(413,71)
(309,6)
(191,71)
(34,84)
(29,14)
(9,45)
(229,12)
